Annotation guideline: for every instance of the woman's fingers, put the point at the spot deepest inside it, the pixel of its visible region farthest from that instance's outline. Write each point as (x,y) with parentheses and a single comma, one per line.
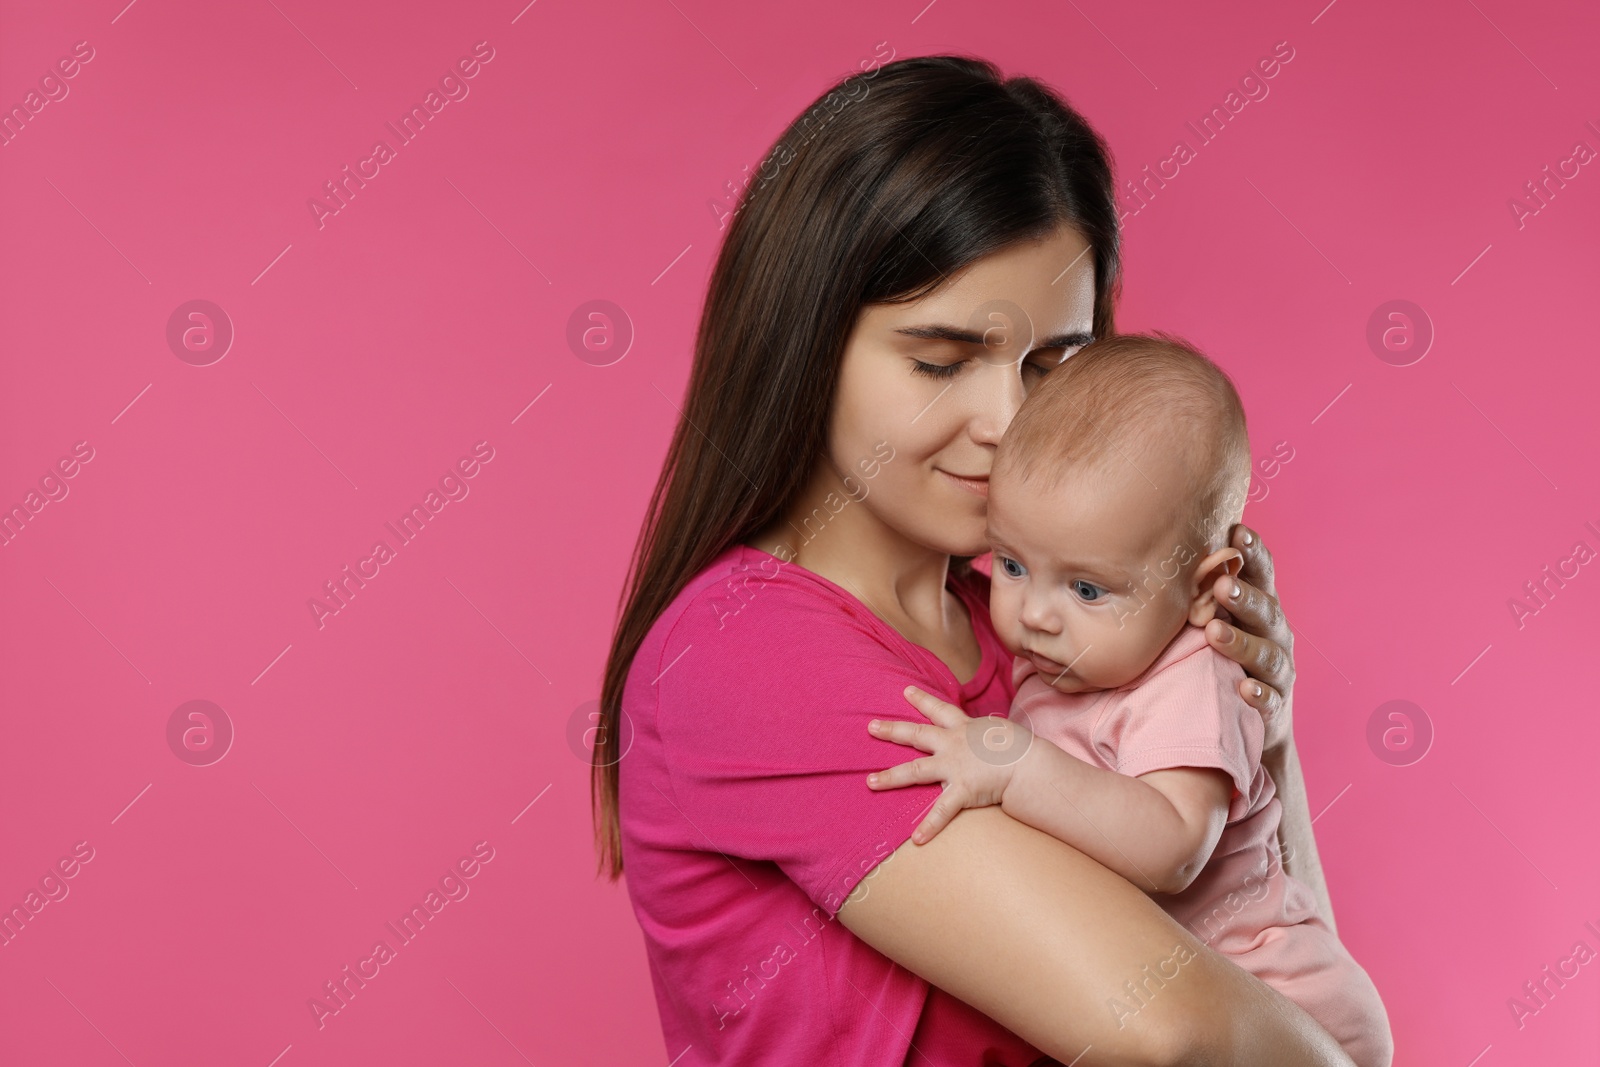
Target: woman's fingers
(1258,570)
(940,712)
(1266,661)
(1254,610)
(916,772)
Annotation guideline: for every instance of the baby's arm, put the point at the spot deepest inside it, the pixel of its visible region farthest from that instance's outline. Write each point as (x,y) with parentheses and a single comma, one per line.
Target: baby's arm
(1157,830)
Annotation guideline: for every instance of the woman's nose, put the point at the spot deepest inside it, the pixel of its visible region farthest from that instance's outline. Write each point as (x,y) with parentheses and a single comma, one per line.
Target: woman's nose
(1002,394)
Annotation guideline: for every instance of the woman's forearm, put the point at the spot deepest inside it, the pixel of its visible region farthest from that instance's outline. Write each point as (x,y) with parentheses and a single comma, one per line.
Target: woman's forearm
(1069,956)
(1299,844)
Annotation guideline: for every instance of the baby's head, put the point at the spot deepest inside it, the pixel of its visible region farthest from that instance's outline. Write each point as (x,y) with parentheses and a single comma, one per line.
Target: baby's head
(1110,502)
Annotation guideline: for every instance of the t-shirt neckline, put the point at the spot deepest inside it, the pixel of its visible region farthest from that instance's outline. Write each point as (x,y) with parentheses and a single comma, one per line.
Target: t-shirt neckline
(988,661)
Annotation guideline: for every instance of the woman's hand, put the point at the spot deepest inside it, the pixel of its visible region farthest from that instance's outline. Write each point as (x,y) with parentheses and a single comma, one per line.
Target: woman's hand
(1260,640)
(973,758)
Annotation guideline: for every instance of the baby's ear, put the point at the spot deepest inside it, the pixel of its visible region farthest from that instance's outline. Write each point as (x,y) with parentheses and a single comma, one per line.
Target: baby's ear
(1203,605)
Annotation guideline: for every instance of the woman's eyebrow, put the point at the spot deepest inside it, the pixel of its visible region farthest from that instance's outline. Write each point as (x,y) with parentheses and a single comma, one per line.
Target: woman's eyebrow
(940,332)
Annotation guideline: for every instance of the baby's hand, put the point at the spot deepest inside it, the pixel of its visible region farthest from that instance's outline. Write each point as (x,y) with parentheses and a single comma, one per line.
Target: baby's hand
(973,758)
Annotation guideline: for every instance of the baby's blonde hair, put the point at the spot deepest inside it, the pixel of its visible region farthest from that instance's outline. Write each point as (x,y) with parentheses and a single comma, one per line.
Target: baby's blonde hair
(1127,397)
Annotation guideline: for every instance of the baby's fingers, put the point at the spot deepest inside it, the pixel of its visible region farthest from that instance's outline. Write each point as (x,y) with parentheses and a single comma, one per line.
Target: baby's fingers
(940,712)
(916,772)
(944,809)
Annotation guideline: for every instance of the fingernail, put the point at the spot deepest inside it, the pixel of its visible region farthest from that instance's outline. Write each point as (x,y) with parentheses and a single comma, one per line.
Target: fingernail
(872,779)
(1248,538)
(874,724)
(1234,593)
(1225,632)
(1258,689)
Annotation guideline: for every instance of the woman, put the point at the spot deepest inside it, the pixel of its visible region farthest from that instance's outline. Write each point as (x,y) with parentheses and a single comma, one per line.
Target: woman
(922,251)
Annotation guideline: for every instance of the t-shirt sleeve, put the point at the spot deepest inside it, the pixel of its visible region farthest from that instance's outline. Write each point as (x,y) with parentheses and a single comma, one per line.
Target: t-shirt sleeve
(763,717)
(1188,714)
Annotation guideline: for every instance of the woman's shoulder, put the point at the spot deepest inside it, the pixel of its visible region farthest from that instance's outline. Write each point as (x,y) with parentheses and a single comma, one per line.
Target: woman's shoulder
(748,602)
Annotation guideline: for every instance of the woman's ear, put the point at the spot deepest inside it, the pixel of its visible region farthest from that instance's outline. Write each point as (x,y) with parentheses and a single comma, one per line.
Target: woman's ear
(1203,604)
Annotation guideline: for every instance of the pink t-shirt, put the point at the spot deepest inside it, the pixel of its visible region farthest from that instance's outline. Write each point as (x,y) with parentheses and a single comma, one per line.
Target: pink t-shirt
(746,821)
(1185,711)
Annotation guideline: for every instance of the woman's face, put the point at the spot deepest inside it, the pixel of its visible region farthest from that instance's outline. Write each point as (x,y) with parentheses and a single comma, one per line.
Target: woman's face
(941,378)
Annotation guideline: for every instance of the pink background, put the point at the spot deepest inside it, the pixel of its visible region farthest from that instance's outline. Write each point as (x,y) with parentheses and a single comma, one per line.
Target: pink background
(373,352)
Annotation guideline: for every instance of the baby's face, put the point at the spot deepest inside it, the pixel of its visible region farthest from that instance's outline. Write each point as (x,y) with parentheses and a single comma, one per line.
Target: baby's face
(1093,580)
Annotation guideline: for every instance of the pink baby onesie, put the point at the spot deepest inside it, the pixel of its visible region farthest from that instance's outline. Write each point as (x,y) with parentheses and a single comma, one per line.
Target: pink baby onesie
(1185,711)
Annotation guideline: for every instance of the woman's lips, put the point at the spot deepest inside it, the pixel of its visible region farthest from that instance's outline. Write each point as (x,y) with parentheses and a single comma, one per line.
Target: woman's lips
(971,485)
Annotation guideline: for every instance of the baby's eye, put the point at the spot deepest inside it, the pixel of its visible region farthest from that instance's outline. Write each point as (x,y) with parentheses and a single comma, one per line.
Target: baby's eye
(1087,590)
(1007,564)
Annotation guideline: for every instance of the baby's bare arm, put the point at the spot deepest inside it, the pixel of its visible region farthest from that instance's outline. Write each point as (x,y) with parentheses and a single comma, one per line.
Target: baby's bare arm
(1156,830)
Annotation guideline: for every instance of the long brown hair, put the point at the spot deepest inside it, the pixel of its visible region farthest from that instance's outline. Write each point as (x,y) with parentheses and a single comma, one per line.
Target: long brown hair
(893,180)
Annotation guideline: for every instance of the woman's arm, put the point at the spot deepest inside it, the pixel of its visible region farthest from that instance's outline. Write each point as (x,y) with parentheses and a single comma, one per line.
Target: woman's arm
(1069,956)
(1295,839)
(1262,642)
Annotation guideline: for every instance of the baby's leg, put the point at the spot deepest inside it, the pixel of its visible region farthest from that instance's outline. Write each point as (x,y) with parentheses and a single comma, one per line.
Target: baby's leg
(1307,964)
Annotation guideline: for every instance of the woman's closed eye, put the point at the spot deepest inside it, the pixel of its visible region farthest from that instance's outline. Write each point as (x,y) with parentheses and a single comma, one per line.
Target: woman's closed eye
(936,370)
(1040,366)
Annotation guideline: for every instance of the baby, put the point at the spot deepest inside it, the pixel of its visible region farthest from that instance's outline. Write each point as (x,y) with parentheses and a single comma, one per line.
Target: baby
(1111,498)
